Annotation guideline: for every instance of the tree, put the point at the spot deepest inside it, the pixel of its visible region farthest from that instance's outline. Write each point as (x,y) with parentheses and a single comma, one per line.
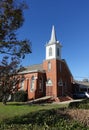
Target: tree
(12,49)
(8,77)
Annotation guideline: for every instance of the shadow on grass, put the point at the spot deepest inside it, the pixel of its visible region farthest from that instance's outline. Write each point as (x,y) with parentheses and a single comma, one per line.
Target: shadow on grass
(15,103)
(50,117)
(24,103)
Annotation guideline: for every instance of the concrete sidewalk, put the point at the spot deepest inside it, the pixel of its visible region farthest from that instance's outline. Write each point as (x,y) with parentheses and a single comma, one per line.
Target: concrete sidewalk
(67,102)
(44,99)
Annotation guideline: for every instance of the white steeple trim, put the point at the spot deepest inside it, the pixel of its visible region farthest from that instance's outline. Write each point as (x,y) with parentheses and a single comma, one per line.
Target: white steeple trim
(53,48)
(53,36)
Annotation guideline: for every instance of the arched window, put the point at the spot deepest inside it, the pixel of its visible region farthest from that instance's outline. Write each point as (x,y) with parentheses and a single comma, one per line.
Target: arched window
(49,82)
(41,84)
(57,51)
(32,84)
(50,51)
(60,83)
(22,83)
(49,66)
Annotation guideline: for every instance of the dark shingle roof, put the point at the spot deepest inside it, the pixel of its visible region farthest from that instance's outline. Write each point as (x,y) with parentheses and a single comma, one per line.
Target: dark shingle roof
(35,67)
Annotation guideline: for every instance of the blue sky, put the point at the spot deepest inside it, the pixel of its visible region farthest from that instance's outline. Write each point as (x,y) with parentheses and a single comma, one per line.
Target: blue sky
(71,21)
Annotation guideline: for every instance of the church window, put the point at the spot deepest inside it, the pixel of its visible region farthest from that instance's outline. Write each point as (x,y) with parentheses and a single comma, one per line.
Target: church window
(57,51)
(41,84)
(50,51)
(60,83)
(21,84)
(49,82)
(49,66)
(32,84)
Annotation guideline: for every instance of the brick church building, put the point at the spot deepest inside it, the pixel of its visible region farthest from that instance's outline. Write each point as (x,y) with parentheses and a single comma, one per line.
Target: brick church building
(51,78)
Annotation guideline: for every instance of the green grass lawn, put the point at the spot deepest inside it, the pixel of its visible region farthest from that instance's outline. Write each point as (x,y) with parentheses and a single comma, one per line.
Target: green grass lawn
(19,116)
(18,109)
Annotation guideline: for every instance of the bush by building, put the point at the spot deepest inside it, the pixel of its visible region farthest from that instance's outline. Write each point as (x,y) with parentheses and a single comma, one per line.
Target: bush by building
(20,96)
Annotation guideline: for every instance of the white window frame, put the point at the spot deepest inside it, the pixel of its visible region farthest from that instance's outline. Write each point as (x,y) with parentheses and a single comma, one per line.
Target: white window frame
(49,82)
(32,84)
(22,85)
(50,51)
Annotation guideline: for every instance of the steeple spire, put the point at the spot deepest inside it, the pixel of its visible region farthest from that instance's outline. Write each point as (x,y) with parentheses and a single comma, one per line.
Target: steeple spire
(53,36)
(53,47)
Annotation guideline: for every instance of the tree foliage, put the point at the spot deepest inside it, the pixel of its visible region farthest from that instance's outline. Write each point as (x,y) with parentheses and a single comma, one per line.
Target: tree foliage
(12,49)
(11,19)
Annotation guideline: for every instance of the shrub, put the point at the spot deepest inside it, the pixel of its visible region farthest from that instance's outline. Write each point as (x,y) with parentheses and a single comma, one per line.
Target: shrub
(1,98)
(84,104)
(20,96)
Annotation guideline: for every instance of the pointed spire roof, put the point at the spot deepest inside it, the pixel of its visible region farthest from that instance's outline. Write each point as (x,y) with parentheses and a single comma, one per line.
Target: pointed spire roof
(53,36)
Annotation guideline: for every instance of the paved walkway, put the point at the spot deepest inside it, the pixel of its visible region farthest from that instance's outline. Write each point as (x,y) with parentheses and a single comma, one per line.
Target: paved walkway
(40,99)
(43,99)
(66,102)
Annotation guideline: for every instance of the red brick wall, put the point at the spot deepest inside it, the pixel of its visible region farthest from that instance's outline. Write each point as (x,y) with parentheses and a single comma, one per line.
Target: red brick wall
(31,95)
(52,75)
(66,77)
(55,74)
(27,84)
(40,92)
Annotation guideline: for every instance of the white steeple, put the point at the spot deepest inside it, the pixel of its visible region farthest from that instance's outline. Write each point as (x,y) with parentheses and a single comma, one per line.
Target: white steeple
(53,47)
(53,36)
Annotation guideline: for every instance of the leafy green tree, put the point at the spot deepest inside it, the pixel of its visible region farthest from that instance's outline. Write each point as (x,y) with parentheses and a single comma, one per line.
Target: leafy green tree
(12,50)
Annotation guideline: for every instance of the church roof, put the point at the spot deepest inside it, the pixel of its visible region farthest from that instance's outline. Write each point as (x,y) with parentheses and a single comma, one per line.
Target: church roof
(32,68)
(35,67)
(82,84)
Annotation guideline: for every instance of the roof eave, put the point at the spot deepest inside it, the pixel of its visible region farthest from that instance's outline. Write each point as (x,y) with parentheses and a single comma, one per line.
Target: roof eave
(32,71)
